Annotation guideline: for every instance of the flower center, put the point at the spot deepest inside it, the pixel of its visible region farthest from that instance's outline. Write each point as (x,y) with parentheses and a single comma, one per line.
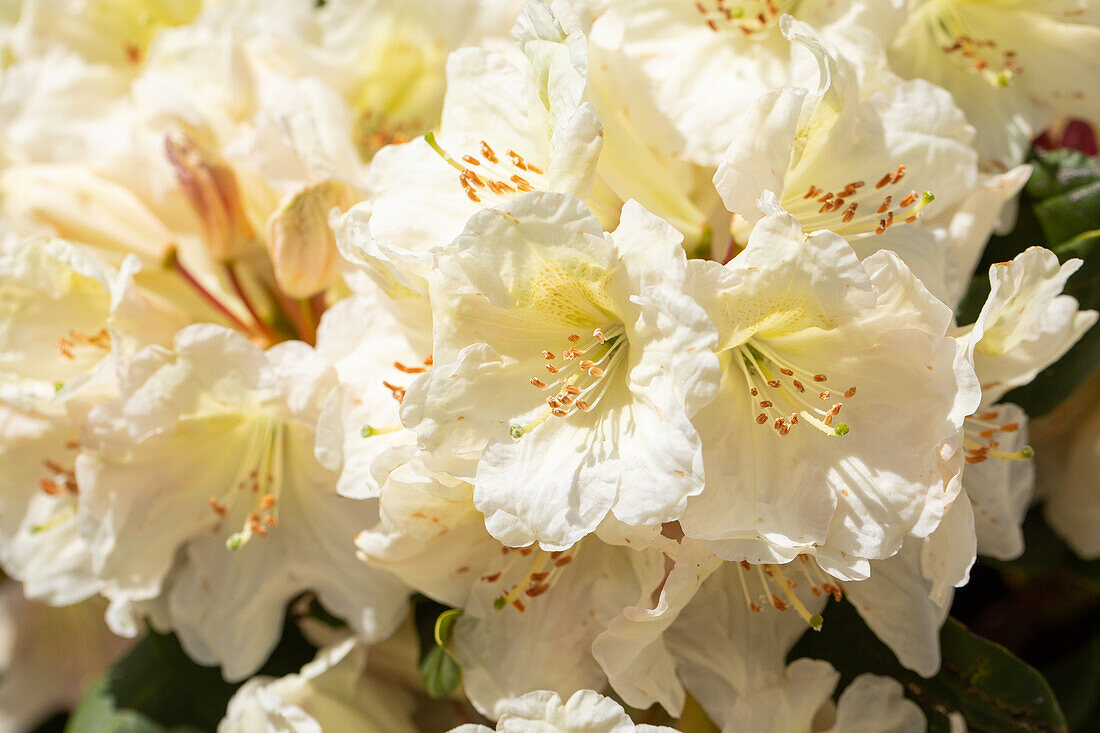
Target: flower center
(744,17)
(374,131)
(769,585)
(67,347)
(980,432)
(785,395)
(857,210)
(262,483)
(489,173)
(962,41)
(58,480)
(579,378)
(540,577)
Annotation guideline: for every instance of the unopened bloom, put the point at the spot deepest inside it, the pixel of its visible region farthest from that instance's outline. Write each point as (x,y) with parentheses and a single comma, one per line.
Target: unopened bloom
(300,241)
(210,185)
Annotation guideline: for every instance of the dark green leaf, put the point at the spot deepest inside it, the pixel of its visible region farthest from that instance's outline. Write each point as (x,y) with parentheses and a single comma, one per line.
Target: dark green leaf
(440,672)
(156,687)
(98,712)
(993,689)
(1065,189)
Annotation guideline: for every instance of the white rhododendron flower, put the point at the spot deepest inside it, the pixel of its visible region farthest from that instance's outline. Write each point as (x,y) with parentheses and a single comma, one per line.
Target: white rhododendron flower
(690,67)
(68,321)
(729,643)
(859,162)
(1010,65)
(510,125)
(332,692)
(360,419)
(807,331)
(543,365)
(571,369)
(1025,325)
(200,492)
(556,602)
(586,711)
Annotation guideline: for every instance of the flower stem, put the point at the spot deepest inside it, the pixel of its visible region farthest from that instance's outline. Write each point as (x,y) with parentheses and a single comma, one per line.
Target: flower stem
(238,288)
(172,262)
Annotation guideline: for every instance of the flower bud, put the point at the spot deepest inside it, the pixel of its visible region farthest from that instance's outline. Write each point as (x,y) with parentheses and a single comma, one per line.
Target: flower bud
(211,187)
(301,242)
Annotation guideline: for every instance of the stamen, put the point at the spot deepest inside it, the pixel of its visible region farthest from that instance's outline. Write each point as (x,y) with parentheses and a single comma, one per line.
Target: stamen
(407,369)
(756,362)
(369,430)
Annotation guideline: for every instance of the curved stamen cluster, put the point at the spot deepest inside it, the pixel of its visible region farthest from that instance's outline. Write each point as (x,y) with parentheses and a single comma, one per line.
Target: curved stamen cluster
(980,55)
(490,172)
(859,210)
(59,480)
(540,577)
(746,17)
(578,375)
(264,482)
(398,391)
(784,395)
(771,586)
(101,340)
(980,438)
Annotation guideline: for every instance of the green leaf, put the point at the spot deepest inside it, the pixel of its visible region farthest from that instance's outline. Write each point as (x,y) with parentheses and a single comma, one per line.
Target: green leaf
(156,687)
(1059,209)
(1065,189)
(98,712)
(1061,200)
(994,690)
(440,673)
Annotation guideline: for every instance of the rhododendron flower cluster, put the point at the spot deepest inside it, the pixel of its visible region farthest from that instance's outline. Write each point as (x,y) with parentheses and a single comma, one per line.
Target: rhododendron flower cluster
(539,364)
